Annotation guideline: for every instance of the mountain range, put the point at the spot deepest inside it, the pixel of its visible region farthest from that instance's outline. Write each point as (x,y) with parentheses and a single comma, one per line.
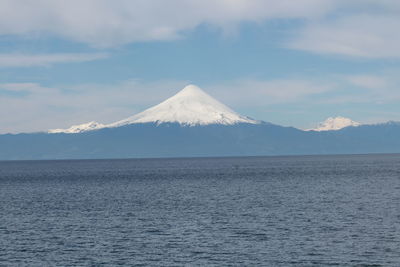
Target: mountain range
(193,124)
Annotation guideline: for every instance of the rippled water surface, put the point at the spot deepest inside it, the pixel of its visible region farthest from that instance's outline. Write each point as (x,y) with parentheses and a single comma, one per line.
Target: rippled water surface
(271,211)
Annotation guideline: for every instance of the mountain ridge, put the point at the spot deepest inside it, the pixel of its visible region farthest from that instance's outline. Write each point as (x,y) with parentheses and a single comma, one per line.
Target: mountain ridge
(151,140)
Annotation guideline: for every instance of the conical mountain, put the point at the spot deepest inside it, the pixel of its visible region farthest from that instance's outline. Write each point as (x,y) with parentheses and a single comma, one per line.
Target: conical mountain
(191,106)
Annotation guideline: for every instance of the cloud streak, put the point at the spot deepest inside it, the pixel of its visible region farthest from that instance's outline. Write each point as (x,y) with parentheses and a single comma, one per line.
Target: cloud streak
(246,92)
(368,36)
(357,28)
(29,60)
(104,23)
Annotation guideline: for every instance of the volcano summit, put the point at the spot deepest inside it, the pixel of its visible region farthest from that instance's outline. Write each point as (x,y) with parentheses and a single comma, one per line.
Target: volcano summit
(189,107)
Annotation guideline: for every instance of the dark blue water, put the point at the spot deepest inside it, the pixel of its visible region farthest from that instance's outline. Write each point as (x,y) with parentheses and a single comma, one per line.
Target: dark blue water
(271,211)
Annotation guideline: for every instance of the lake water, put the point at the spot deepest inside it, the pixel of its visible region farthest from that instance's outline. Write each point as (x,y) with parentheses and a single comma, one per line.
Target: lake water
(270,211)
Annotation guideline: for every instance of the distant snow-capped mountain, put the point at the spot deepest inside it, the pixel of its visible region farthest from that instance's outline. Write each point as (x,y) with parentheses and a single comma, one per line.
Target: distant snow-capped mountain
(189,107)
(334,124)
(79,128)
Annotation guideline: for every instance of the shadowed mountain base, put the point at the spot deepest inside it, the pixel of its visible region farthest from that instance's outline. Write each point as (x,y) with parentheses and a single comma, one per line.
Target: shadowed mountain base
(174,140)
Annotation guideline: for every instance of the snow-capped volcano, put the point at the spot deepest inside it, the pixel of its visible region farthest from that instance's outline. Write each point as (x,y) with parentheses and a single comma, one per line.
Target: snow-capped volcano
(191,106)
(335,123)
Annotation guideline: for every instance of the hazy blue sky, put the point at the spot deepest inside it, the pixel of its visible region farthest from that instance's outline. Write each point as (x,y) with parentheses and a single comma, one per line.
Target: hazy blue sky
(283,61)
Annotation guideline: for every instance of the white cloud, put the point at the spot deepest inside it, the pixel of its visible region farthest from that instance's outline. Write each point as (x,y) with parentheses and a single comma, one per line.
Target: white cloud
(369,36)
(375,89)
(28,60)
(368,81)
(262,93)
(362,28)
(105,23)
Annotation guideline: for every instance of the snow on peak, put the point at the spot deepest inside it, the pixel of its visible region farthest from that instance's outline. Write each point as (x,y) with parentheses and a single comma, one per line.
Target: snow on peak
(335,123)
(191,106)
(79,128)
